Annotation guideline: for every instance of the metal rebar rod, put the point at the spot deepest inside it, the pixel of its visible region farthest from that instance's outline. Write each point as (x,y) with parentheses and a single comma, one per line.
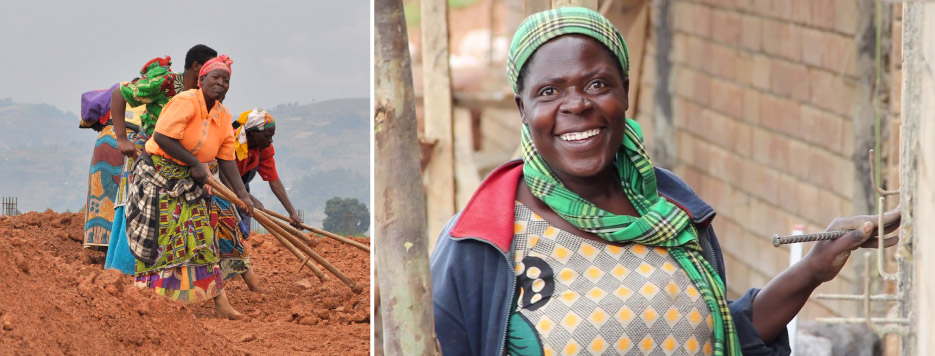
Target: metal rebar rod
(794,239)
(873,179)
(881,256)
(867,280)
(901,321)
(901,330)
(857,297)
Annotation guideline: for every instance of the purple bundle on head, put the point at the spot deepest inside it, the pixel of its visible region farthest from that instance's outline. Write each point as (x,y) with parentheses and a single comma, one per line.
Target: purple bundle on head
(95,105)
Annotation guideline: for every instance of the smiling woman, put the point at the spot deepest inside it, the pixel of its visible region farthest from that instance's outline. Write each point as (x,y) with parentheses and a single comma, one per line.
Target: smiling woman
(584,246)
(572,120)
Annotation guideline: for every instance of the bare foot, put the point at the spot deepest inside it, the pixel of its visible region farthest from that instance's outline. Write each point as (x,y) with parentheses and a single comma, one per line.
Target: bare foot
(224,308)
(250,278)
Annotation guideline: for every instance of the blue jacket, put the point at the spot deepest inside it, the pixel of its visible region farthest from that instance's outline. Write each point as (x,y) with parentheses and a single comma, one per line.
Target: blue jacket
(472,268)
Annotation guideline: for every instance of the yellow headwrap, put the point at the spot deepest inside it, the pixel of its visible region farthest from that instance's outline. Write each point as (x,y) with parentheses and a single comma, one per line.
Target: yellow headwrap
(256,119)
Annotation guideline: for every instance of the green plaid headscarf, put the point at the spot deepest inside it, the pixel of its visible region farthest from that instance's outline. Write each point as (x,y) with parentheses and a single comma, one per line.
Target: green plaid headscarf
(661,223)
(541,27)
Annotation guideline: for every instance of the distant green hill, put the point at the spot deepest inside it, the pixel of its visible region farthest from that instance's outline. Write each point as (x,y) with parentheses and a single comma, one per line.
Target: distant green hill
(322,151)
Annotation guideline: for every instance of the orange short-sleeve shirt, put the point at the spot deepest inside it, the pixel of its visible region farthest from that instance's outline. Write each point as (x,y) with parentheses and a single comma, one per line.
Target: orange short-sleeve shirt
(206,134)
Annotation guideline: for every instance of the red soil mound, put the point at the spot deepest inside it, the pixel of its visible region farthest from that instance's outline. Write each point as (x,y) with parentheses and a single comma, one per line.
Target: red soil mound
(55,299)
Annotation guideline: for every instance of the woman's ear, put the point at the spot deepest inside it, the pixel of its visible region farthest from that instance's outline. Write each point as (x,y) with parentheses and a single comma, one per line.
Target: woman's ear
(519,105)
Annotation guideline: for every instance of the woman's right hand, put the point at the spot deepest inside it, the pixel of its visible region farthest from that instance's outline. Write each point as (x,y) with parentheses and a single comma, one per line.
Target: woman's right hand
(827,257)
(126,147)
(249,205)
(200,174)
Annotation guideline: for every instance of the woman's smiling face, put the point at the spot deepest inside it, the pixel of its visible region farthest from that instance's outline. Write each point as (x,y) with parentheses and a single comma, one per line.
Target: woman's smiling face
(573,99)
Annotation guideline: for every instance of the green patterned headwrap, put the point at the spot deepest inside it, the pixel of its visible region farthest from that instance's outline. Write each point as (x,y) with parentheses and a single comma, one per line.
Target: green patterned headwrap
(541,27)
(660,223)
(154,89)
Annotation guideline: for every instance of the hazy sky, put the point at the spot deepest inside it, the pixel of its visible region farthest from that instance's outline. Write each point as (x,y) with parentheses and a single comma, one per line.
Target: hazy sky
(283,51)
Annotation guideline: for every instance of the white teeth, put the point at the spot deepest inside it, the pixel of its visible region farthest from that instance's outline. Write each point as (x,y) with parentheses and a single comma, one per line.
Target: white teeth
(575,136)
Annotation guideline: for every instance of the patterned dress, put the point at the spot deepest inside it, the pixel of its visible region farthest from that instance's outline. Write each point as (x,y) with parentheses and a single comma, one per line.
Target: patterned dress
(186,255)
(578,296)
(103,181)
(143,94)
(230,232)
(168,218)
(118,252)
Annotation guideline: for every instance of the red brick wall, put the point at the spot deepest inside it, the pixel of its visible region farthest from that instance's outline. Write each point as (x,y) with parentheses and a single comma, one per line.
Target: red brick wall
(763,100)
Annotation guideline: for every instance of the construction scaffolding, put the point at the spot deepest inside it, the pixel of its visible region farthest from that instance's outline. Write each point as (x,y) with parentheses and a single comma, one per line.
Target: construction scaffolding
(8,206)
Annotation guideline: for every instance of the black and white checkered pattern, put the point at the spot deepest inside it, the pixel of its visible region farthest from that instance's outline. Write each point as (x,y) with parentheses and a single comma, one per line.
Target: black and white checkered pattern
(142,209)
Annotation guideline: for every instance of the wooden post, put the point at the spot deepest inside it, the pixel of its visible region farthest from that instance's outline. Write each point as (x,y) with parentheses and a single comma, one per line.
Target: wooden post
(436,79)
(591,4)
(917,166)
(465,169)
(401,255)
(517,10)
(533,6)
(638,32)
(632,20)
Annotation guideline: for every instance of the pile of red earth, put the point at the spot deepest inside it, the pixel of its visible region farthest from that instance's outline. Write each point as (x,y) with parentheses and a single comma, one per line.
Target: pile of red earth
(55,299)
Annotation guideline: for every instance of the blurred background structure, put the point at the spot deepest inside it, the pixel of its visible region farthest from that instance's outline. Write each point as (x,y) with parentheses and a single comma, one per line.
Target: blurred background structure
(767,108)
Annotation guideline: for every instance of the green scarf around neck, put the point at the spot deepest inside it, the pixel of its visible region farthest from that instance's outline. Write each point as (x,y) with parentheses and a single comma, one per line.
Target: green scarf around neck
(660,224)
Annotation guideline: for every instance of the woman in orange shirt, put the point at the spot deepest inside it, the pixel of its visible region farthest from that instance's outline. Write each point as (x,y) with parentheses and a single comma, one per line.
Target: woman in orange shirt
(168,224)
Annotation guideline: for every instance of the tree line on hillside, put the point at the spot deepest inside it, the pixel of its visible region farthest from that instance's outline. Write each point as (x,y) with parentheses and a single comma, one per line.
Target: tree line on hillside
(346,216)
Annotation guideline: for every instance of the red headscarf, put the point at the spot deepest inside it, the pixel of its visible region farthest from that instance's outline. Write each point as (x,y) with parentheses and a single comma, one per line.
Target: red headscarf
(153,63)
(221,62)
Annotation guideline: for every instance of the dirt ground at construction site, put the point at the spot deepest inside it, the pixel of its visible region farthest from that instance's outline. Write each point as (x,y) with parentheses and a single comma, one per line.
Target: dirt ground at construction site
(55,299)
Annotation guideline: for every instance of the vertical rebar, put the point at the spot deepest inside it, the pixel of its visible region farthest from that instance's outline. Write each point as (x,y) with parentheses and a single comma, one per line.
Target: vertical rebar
(868,276)
(881,256)
(8,206)
(885,325)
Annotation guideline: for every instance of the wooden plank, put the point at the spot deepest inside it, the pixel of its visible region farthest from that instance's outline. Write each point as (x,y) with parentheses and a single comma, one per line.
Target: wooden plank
(632,19)
(533,6)
(917,170)
(436,78)
(591,4)
(399,202)
(636,36)
(466,174)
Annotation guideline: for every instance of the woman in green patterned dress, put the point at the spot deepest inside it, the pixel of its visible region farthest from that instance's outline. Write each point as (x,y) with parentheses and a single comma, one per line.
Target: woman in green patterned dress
(168,218)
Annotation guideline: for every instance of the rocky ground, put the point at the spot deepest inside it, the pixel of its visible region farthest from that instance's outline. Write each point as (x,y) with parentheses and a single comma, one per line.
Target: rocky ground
(55,299)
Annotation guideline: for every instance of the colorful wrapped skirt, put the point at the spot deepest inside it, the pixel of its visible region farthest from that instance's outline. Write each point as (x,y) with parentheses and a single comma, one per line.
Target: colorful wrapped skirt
(186,255)
(230,234)
(118,252)
(103,180)
(189,284)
